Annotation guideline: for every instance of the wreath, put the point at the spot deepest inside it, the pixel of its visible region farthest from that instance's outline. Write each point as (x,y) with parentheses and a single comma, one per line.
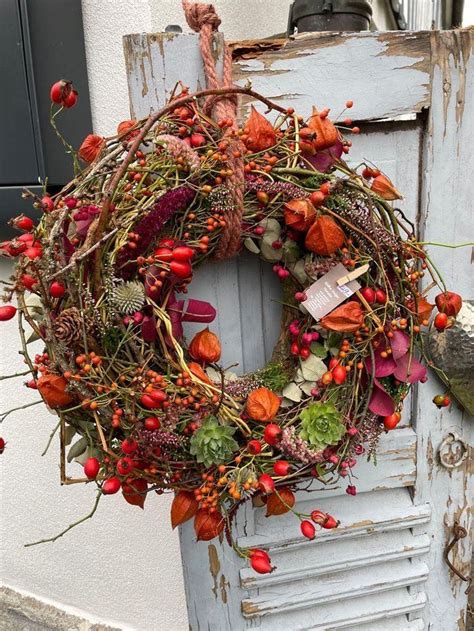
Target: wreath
(102,280)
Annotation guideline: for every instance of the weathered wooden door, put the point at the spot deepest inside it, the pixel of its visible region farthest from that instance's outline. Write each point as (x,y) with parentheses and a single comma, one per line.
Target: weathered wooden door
(383,568)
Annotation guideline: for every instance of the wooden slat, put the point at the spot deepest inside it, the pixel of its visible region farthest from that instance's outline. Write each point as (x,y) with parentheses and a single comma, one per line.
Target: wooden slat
(339,587)
(399,623)
(321,67)
(378,511)
(338,556)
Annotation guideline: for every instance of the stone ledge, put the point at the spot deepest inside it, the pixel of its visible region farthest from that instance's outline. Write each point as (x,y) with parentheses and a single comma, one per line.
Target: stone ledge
(24,613)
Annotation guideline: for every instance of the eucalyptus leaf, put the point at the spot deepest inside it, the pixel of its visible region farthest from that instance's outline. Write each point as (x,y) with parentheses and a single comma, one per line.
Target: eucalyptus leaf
(319,350)
(69,432)
(307,386)
(34,337)
(313,368)
(77,449)
(299,272)
(292,392)
(269,253)
(90,452)
(272,229)
(291,251)
(251,246)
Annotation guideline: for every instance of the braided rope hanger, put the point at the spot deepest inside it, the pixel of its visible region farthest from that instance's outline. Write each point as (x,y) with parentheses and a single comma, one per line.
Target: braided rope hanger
(203,19)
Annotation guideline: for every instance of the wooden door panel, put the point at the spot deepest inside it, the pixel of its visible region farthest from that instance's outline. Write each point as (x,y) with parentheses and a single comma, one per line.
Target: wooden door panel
(383,568)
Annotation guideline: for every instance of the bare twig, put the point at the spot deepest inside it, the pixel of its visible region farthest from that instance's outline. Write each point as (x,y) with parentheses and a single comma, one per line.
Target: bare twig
(70,527)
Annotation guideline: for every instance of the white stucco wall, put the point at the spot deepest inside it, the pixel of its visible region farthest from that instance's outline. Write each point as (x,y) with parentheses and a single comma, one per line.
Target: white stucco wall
(123,566)
(105,22)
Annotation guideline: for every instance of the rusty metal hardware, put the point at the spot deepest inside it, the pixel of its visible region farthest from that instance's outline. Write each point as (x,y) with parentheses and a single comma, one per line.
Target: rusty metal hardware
(458,533)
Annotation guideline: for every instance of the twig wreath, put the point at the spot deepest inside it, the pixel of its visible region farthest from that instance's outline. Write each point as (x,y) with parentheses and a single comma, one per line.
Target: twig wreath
(102,278)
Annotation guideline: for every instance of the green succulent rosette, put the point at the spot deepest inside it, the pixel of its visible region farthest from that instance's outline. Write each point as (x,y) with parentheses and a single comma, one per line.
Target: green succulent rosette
(321,425)
(212,443)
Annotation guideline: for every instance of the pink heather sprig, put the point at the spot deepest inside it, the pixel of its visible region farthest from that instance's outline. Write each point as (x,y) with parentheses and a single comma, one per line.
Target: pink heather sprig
(295,447)
(148,228)
(178,148)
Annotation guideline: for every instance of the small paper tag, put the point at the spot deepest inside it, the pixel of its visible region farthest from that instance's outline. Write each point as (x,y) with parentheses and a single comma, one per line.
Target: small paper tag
(325,294)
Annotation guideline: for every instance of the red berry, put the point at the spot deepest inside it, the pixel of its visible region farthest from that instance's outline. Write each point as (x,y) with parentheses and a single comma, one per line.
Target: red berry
(33,253)
(369,294)
(317,198)
(441,321)
(125,465)
(57,290)
(272,434)
(260,564)
(71,99)
(47,202)
(7,313)
(339,374)
(163,254)
(281,467)
(60,91)
(183,253)
(111,486)
(266,483)
(295,349)
(166,243)
(254,447)
(151,423)
(305,353)
(380,296)
(2,445)
(129,445)
(28,281)
(307,529)
(197,140)
(330,522)
(24,223)
(258,552)
(91,468)
(390,422)
(181,269)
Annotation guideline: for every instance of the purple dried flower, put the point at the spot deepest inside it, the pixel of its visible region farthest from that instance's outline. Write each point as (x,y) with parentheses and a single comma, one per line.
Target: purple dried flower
(254,184)
(295,447)
(148,228)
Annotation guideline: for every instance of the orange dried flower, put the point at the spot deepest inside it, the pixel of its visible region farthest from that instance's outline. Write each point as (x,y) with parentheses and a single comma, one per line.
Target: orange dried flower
(53,390)
(124,126)
(281,502)
(184,506)
(324,237)
(208,525)
(91,147)
(349,317)
(205,347)
(262,404)
(299,214)
(198,372)
(326,132)
(384,187)
(260,132)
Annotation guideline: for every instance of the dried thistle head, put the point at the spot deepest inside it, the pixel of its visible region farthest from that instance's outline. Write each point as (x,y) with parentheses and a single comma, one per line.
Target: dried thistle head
(128,297)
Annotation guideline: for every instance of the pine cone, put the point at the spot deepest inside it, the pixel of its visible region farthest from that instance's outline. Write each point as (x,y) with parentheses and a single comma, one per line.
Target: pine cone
(67,326)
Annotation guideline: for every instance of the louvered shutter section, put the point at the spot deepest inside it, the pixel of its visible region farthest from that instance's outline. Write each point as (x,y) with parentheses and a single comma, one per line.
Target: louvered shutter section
(383,568)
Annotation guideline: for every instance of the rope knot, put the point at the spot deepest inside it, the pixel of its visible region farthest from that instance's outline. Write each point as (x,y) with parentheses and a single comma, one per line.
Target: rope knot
(199,15)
